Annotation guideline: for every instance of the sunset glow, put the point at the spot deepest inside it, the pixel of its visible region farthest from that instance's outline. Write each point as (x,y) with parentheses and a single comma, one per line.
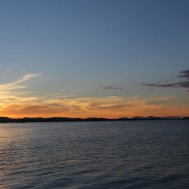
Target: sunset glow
(94,59)
(16,101)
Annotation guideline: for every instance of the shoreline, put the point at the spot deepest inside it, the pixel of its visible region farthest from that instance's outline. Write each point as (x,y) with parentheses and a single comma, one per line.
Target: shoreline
(62,119)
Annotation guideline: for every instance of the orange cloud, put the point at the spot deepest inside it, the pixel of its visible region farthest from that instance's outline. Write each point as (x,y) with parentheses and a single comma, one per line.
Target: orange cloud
(110,107)
(15,103)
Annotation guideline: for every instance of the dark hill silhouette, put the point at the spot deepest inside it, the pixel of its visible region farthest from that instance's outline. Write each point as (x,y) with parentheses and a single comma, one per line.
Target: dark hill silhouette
(67,119)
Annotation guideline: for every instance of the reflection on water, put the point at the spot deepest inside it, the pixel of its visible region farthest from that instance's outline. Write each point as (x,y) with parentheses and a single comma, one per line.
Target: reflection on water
(133,154)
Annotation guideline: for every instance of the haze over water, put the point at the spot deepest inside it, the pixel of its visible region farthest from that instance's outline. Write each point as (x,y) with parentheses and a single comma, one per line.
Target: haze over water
(83,155)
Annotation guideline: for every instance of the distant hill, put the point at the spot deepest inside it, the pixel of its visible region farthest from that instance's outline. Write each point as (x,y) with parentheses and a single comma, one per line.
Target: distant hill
(67,119)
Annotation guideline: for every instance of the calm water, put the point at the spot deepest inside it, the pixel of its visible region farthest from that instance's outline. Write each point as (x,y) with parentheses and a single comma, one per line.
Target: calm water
(95,155)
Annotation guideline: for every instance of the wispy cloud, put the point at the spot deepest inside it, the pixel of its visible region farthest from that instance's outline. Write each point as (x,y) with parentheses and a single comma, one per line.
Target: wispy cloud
(179,84)
(184,84)
(109,106)
(113,87)
(18,84)
(16,104)
(184,74)
(10,92)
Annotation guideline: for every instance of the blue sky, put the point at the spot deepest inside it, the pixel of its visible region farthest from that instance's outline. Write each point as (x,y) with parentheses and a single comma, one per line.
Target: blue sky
(95,48)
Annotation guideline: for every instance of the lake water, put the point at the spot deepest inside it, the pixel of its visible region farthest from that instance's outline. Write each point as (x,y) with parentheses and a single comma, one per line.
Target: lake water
(95,155)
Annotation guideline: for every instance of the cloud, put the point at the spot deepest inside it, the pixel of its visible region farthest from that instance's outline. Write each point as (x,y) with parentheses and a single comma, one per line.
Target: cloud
(184,74)
(15,102)
(112,87)
(184,84)
(179,84)
(18,84)
(109,106)
(11,92)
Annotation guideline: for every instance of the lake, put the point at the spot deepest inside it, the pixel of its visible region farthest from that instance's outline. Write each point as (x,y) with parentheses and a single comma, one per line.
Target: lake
(95,155)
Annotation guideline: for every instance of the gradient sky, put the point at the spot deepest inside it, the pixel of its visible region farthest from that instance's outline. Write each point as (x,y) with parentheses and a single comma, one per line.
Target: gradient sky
(94,58)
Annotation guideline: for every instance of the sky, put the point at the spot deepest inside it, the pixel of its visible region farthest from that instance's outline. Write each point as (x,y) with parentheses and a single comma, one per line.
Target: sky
(94,58)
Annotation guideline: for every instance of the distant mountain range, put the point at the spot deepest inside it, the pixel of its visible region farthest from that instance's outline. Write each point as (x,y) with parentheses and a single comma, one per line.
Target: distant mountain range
(67,119)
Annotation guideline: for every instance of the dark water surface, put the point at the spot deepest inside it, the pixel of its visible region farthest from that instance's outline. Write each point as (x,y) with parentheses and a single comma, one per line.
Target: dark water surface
(95,155)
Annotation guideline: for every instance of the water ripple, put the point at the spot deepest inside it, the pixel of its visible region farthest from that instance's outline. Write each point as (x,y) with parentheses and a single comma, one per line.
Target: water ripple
(132,155)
